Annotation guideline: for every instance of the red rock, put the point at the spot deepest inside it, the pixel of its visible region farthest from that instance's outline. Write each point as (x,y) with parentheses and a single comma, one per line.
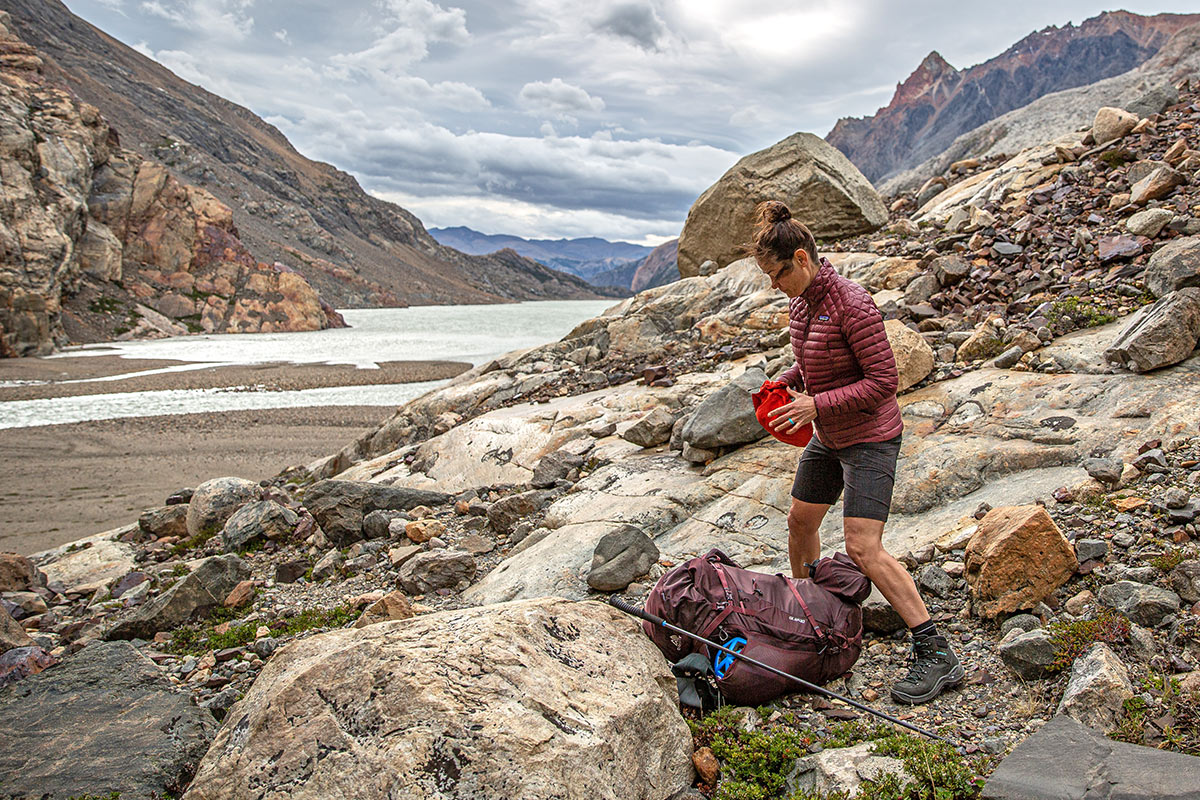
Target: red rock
(707,766)
(17,573)
(21,662)
(242,594)
(1016,559)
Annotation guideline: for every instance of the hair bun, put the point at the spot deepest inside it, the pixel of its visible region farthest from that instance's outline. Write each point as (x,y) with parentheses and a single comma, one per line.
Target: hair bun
(773,212)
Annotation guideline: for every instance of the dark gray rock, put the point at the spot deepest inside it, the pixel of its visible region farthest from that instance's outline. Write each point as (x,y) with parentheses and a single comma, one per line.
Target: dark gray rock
(1176,497)
(652,429)
(328,564)
(1105,470)
(1030,654)
(933,578)
(1184,515)
(1143,604)
(1155,101)
(621,557)
(1007,249)
(951,269)
(506,511)
(376,524)
(436,569)
(290,571)
(1009,357)
(554,467)
(1174,266)
(340,506)
(215,501)
(1159,335)
(105,720)
(1153,457)
(726,417)
(256,522)
(1185,580)
(203,589)
(1090,549)
(1019,622)
(1066,761)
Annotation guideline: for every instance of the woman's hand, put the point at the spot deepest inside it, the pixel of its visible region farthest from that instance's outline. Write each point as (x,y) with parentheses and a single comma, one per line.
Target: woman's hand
(795,415)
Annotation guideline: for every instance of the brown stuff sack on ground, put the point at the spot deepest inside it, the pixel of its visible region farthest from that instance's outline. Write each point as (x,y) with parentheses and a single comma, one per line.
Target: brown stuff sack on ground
(810,627)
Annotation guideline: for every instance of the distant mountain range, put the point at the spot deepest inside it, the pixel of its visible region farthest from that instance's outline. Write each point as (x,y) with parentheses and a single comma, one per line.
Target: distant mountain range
(356,250)
(598,261)
(937,102)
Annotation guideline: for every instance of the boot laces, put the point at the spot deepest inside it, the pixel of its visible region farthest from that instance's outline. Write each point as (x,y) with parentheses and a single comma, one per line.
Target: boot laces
(922,659)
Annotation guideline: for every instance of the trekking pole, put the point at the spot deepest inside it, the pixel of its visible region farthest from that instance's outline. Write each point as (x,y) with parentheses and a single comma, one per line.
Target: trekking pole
(621,605)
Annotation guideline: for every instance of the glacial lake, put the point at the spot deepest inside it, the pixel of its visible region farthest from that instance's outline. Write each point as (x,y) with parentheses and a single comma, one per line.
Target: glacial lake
(473,334)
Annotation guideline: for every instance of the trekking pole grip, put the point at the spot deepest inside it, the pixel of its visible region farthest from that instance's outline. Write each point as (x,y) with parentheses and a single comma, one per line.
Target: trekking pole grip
(621,605)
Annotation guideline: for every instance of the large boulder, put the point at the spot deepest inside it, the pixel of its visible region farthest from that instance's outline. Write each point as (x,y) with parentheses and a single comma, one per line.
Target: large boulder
(1098,688)
(256,522)
(914,356)
(1159,335)
(214,502)
(726,417)
(1175,265)
(203,589)
(533,699)
(505,512)
(1065,759)
(1158,184)
(106,721)
(165,521)
(339,506)
(819,184)
(1000,556)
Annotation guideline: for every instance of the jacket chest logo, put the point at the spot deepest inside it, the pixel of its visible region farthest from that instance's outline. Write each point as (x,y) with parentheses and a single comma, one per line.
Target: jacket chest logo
(822,318)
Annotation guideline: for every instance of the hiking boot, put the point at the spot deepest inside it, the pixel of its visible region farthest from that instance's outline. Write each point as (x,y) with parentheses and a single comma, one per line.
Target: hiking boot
(932,667)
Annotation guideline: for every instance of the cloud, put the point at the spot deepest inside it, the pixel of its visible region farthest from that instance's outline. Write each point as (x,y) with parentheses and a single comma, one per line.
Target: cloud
(221,20)
(414,25)
(559,98)
(638,23)
(282,35)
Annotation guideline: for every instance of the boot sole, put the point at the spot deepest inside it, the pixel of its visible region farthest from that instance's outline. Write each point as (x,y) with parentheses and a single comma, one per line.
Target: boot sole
(951,678)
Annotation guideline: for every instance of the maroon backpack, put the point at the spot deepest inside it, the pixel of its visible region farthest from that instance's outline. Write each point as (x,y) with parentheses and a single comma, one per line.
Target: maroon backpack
(810,627)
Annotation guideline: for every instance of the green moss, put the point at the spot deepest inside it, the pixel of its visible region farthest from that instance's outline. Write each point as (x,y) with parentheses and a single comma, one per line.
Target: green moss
(1117,157)
(1070,639)
(1083,313)
(105,305)
(192,542)
(755,764)
(1169,560)
(316,618)
(110,796)
(1170,720)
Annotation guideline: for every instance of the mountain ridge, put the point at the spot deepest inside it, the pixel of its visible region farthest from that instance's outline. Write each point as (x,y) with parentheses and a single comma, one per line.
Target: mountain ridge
(357,250)
(937,103)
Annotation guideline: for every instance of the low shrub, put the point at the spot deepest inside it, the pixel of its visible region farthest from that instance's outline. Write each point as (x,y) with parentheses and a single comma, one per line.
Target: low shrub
(1071,639)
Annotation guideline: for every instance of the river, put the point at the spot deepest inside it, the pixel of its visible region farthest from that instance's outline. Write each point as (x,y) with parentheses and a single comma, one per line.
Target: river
(468,333)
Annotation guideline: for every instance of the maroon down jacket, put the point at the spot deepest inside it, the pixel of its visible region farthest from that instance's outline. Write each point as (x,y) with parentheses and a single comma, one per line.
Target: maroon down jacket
(844,361)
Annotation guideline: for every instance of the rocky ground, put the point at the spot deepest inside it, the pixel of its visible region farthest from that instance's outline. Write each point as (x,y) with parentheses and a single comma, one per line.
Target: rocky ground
(594,464)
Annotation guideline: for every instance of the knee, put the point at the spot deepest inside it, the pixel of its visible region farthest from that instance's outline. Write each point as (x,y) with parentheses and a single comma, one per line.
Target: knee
(864,548)
(802,520)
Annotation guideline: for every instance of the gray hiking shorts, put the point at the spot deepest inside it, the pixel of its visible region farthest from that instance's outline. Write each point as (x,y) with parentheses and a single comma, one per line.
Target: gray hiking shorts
(866,471)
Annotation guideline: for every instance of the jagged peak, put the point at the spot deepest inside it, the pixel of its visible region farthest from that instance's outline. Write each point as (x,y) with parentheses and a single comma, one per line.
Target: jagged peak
(928,74)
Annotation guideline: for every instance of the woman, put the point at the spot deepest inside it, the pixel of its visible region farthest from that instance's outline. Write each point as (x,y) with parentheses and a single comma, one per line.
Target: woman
(844,382)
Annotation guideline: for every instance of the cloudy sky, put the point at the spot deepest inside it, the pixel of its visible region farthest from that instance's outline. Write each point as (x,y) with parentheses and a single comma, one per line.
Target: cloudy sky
(560,118)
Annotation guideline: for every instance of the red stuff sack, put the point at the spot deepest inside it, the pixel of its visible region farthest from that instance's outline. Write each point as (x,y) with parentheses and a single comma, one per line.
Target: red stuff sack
(771,396)
(810,627)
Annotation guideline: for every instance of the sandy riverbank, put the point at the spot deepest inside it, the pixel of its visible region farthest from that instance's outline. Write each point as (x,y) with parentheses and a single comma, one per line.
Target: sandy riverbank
(55,377)
(64,482)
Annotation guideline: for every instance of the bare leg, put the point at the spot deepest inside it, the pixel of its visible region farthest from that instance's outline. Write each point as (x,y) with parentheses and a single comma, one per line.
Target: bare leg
(804,541)
(864,544)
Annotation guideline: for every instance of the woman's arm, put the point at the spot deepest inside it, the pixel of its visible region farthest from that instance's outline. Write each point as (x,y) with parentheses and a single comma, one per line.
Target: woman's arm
(863,328)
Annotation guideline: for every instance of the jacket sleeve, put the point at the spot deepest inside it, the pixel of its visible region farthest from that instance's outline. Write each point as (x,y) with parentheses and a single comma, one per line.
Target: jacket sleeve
(863,328)
(792,377)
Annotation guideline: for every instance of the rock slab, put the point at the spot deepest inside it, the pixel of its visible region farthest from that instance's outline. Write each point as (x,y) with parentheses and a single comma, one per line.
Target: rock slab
(1067,761)
(105,720)
(532,699)
(204,588)
(1098,688)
